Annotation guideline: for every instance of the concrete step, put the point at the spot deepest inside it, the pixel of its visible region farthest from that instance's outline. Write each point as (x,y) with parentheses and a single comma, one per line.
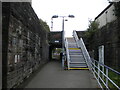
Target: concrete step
(70,40)
(78,65)
(72,46)
(76,60)
(77,56)
(75,51)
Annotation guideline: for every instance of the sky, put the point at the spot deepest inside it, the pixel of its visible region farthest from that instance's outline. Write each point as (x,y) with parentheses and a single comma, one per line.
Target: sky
(83,10)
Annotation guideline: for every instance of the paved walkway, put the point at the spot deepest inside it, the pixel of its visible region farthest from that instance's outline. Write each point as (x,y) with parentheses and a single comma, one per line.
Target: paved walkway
(53,76)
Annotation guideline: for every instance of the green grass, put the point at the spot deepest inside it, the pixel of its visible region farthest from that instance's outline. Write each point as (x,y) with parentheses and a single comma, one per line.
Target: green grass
(112,75)
(115,78)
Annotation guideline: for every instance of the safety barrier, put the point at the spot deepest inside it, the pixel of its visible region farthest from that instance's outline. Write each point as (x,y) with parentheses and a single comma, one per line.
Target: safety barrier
(100,71)
(67,53)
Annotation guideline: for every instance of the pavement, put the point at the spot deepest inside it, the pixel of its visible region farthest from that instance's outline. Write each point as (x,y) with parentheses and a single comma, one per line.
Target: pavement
(53,76)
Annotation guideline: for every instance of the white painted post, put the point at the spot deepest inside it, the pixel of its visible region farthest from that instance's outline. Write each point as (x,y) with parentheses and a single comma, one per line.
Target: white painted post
(101,57)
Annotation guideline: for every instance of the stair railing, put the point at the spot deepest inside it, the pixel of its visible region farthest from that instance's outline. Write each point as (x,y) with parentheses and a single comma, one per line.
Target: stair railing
(103,77)
(81,45)
(67,53)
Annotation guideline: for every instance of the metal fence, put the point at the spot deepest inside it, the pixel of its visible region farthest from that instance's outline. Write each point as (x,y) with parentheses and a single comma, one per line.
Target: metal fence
(105,76)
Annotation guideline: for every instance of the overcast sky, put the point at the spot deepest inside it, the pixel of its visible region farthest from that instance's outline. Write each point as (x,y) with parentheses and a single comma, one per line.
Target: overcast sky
(83,10)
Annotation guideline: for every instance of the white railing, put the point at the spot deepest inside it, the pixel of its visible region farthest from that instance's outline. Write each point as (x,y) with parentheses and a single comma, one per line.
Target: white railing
(67,53)
(103,77)
(81,45)
(76,38)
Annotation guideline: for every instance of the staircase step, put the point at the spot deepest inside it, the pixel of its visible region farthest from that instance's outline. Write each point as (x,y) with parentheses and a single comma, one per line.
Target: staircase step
(77,62)
(76,56)
(74,51)
(79,68)
(73,48)
(72,43)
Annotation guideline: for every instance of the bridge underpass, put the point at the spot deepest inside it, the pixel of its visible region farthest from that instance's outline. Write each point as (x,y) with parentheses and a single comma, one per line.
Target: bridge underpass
(55,41)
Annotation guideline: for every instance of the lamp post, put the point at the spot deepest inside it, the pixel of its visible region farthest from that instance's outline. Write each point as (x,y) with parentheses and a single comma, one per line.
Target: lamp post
(63,33)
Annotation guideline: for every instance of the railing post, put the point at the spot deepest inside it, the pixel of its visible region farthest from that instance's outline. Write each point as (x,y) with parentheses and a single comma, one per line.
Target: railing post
(98,71)
(103,71)
(93,66)
(106,77)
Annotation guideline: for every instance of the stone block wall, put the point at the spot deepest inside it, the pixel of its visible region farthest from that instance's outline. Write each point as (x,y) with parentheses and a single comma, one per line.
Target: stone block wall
(25,43)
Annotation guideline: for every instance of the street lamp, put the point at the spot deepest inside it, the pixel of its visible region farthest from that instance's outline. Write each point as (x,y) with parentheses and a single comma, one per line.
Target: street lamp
(56,16)
(63,39)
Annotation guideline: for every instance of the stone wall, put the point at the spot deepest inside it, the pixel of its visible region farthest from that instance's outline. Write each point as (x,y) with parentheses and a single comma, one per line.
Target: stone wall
(25,43)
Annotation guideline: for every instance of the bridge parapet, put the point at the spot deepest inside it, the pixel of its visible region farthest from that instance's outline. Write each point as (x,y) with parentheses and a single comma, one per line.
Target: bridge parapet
(55,39)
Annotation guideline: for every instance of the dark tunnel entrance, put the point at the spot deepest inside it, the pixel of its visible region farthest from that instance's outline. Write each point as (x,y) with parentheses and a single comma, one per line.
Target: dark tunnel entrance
(55,41)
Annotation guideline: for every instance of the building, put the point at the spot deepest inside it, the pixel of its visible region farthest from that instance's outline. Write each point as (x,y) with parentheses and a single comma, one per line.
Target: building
(107,15)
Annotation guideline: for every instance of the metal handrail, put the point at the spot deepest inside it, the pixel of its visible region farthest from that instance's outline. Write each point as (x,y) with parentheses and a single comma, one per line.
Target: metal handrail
(81,45)
(67,53)
(95,66)
(76,38)
(85,53)
(104,74)
(106,66)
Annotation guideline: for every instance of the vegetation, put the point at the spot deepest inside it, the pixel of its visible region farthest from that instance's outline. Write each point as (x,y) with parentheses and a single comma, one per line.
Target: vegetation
(44,25)
(59,50)
(93,27)
(56,53)
(91,31)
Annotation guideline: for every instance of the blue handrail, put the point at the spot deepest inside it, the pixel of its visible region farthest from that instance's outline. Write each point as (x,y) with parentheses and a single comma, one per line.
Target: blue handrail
(106,66)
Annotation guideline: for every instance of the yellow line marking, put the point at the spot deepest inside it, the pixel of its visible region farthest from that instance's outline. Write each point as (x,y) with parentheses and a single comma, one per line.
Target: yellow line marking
(74,48)
(79,68)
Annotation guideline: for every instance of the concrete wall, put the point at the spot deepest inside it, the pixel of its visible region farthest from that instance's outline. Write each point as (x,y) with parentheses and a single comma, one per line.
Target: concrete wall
(106,16)
(114,0)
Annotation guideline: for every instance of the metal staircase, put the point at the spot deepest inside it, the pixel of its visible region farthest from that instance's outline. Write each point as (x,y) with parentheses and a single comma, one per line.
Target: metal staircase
(75,58)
